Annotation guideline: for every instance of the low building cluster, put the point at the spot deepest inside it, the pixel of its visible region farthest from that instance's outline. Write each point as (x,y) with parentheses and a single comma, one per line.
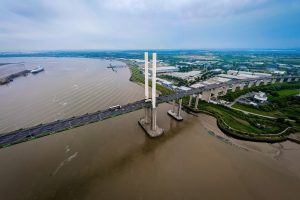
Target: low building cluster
(254,98)
(172,72)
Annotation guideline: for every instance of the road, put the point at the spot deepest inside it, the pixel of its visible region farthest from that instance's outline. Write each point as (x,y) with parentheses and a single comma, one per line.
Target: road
(61,125)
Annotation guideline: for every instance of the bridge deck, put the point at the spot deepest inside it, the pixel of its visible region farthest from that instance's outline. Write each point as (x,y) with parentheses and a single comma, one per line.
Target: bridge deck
(40,130)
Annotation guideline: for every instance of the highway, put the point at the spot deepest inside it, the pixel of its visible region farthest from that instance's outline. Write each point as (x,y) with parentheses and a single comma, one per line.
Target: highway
(40,130)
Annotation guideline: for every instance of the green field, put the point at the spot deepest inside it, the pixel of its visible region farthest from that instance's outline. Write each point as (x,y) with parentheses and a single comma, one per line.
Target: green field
(256,111)
(288,92)
(288,108)
(242,122)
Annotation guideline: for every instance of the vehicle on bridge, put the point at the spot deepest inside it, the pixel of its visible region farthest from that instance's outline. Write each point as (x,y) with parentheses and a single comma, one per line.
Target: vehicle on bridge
(115,107)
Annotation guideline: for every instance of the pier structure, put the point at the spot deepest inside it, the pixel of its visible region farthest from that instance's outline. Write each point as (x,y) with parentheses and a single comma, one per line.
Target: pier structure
(250,84)
(273,81)
(257,82)
(242,85)
(190,101)
(281,80)
(266,81)
(233,87)
(150,126)
(176,110)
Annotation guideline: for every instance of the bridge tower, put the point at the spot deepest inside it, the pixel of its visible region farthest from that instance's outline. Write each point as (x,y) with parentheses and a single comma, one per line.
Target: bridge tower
(146,71)
(150,126)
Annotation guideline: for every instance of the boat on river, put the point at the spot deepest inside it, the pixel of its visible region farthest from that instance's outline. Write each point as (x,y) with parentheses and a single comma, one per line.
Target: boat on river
(37,70)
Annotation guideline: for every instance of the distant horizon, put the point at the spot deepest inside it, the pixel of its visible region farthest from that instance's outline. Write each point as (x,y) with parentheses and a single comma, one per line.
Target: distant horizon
(141,49)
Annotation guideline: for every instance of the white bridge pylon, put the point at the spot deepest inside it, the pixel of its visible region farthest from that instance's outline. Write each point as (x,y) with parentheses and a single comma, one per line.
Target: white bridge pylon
(150,126)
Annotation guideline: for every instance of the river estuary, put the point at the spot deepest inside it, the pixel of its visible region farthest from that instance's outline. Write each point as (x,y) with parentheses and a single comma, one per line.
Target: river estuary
(114,159)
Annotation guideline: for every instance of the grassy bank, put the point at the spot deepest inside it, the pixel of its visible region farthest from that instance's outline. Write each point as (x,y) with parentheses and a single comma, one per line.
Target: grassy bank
(246,127)
(281,103)
(138,77)
(254,110)
(232,122)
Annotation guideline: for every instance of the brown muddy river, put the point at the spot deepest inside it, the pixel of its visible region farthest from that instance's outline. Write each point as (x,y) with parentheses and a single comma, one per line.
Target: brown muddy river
(114,159)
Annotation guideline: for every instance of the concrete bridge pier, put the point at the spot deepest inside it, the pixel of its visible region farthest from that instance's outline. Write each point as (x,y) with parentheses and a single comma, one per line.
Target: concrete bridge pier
(242,85)
(197,101)
(289,80)
(190,101)
(233,88)
(147,110)
(173,113)
(147,115)
(215,92)
(273,81)
(296,79)
(266,81)
(224,90)
(206,95)
(257,83)
(152,129)
(174,106)
(281,80)
(250,84)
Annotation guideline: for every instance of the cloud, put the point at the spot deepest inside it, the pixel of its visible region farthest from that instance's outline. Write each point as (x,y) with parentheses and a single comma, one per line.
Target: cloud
(123,24)
(184,8)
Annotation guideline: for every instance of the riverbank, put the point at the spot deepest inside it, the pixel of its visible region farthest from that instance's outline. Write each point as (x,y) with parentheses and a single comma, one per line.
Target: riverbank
(286,153)
(245,127)
(234,123)
(138,77)
(97,161)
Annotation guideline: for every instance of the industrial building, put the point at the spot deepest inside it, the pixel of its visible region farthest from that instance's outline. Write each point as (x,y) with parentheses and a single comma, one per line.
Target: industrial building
(189,76)
(244,73)
(166,69)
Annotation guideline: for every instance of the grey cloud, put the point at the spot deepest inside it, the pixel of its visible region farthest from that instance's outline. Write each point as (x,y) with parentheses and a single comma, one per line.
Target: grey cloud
(83,24)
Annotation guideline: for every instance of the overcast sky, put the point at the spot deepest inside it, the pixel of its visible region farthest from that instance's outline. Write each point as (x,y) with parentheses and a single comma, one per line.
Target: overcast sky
(148,24)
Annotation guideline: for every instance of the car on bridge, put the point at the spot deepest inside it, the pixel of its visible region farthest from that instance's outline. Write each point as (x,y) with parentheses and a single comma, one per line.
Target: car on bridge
(116,107)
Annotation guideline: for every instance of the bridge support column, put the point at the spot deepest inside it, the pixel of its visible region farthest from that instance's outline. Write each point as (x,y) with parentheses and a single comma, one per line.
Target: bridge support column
(215,92)
(179,107)
(296,79)
(153,121)
(147,110)
(250,84)
(266,81)
(233,88)
(173,106)
(289,80)
(257,83)
(273,81)
(147,113)
(242,85)
(224,90)
(206,95)
(151,128)
(197,101)
(177,115)
(281,80)
(190,101)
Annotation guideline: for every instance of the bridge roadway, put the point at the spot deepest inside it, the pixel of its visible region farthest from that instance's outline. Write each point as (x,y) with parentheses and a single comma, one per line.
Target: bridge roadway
(40,130)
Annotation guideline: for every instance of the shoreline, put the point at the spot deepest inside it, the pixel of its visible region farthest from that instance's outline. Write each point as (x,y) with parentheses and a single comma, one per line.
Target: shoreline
(270,138)
(279,150)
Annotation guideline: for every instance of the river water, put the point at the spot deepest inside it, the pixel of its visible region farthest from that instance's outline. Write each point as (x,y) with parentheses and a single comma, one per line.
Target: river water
(114,159)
